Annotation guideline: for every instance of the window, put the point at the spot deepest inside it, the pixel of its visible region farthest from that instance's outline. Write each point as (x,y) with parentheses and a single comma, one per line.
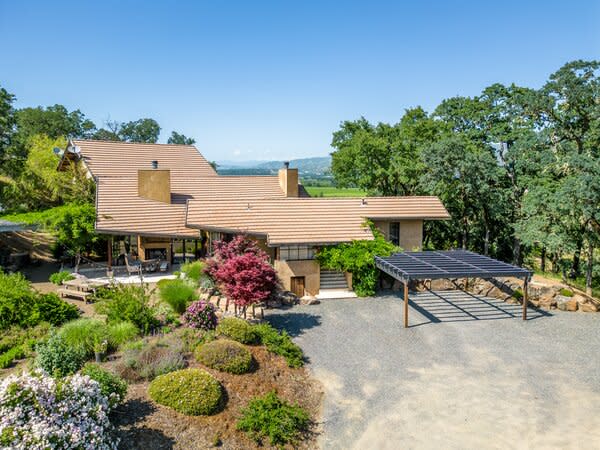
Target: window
(296,252)
(395,233)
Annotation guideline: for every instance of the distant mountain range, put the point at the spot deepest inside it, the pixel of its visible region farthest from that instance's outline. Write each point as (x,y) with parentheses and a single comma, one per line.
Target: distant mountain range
(317,166)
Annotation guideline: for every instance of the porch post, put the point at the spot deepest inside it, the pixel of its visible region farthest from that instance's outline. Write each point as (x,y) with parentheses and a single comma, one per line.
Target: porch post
(110,249)
(184,251)
(406,304)
(525,289)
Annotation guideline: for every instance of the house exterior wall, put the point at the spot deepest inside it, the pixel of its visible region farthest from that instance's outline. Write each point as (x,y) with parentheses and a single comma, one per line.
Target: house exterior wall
(411,233)
(155,185)
(309,269)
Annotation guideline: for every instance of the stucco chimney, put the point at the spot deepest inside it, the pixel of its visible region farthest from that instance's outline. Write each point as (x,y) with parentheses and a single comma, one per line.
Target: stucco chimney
(288,180)
(155,183)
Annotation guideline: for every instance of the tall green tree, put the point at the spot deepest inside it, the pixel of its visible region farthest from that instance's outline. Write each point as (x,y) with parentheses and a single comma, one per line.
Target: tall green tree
(181,139)
(382,159)
(7,119)
(141,130)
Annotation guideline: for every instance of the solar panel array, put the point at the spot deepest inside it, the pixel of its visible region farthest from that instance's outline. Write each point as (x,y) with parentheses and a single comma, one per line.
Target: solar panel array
(430,265)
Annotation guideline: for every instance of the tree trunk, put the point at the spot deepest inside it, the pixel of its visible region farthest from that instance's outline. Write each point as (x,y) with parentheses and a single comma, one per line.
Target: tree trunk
(543,262)
(577,260)
(517,252)
(77,261)
(590,265)
(486,242)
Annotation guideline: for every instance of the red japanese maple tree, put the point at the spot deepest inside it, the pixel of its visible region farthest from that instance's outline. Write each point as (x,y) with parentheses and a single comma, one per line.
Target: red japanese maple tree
(242,271)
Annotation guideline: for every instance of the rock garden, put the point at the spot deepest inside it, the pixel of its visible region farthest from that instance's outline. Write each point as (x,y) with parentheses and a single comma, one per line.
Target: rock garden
(155,367)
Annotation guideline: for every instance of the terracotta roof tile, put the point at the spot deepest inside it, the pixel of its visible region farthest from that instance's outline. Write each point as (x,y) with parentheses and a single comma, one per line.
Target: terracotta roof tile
(312,220)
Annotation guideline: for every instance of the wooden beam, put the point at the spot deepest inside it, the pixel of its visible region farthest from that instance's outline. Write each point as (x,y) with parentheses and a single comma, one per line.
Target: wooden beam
(405,304)
(525,289)
(110,249)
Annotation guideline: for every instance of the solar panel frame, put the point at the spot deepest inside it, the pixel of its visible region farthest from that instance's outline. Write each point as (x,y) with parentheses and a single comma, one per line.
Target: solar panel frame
(434,264)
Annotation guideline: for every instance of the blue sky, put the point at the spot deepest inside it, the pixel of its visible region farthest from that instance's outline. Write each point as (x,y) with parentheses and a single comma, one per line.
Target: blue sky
(273,80)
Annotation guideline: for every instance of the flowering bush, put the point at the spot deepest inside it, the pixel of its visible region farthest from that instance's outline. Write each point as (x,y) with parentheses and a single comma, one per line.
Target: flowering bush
(200,315)
(40,412)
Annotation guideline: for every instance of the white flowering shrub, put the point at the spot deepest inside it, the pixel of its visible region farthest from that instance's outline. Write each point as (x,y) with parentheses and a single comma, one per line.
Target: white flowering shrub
(40,412)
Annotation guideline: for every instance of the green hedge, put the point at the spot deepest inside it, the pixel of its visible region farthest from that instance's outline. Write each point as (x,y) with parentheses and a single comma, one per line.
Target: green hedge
(193,392)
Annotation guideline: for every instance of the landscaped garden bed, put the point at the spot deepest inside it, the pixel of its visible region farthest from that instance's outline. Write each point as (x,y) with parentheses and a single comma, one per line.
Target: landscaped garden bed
(164,369)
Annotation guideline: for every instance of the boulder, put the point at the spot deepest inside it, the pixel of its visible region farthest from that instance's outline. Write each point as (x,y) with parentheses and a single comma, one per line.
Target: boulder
(588,307)
(288,298)
(565,303)
(309,300)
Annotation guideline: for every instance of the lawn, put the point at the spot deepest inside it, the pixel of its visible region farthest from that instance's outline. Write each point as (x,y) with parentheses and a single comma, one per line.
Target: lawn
(330,191)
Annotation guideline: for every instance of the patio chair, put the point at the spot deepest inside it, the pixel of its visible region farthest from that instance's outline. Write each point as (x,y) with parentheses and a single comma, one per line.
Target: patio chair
(133,268)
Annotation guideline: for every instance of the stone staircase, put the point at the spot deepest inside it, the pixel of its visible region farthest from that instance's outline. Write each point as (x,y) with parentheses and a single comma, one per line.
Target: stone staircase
(334,285)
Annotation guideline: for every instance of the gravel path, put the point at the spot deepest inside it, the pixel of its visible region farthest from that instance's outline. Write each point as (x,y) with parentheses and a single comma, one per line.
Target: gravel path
(467,374)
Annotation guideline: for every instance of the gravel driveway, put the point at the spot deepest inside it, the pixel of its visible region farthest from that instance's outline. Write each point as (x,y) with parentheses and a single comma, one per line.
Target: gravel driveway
(467,374)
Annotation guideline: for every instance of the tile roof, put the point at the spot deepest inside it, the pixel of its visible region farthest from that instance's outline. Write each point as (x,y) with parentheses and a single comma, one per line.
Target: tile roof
(308,220)
(200,198)
(107,158)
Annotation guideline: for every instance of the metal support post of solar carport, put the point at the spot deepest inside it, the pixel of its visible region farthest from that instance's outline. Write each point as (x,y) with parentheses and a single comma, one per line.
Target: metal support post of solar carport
(405,304)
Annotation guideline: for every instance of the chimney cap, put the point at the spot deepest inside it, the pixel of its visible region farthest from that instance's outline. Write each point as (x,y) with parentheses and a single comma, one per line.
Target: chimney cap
(286,164)
(155,164)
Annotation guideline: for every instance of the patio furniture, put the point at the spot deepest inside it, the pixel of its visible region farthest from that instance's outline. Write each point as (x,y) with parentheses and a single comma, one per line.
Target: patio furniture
(150,265)
(81,288)
(163,266)
(133,268)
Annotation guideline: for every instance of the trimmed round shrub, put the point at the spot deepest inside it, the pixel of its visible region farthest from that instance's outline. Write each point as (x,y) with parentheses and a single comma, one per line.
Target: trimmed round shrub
(238,330)
(52,309)
(225,355)
(193,392)
(40,412)
(112,386)
(177,294)
(57,358)
(201,315)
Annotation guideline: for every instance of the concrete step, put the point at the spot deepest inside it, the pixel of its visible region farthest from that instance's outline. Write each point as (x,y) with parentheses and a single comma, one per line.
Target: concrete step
(334,285)
(325,294)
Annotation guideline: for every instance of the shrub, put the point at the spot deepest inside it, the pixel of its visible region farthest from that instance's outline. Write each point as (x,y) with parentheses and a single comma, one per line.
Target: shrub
(7,358)
(177,294)
(113,387)
(201,315)
(191,338)
(273,418)
(21,305)
(281,344)
(84,334)
(238,330)
(58,277)
(57,358)
(226,356)
(358,258)
(150,360)
(129,303)
(193,271)
(193,392)
(50,308)
(566,292)
(121,333)
(41,412)
(16,335)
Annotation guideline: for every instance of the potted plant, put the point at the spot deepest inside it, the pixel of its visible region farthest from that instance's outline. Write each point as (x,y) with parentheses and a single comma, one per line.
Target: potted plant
(100,347)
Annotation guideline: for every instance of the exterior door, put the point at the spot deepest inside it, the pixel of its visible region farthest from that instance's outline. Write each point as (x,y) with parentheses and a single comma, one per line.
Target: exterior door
(297,286)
